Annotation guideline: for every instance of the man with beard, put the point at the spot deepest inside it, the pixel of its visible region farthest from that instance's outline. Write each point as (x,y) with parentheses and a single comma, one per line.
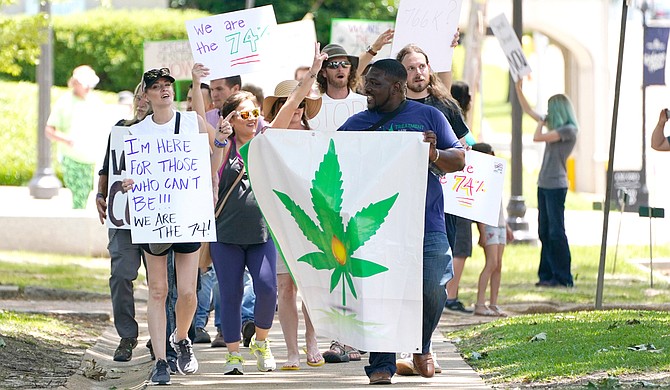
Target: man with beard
(389,110)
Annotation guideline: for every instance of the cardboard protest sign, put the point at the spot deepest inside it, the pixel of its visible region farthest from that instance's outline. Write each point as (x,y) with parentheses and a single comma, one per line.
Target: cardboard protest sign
(174,55)
(232,43)
(352,236)
(171,200)
(430,24)
(475,192)
(354,35)
(518,64)
(118,214)
(334,112)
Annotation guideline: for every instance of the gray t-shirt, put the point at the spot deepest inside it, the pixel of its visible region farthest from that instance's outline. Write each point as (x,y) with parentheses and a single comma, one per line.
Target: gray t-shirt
(553,173)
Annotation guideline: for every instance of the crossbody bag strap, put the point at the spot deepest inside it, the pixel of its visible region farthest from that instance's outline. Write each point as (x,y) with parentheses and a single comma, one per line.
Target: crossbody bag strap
(388,116)
(219,208)
(176,123)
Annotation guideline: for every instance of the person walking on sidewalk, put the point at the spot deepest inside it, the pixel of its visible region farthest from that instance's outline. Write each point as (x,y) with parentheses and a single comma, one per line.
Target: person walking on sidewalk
(158,89)
(385,86)
(287,290)
(125,257)
(493,240)
(552,186)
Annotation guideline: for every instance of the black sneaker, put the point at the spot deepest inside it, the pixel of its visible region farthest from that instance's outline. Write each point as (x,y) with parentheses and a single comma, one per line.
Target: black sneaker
(124,352)
(457,306)
(186,361)
(201,336)
(172,364)
(248,331)
(160,374)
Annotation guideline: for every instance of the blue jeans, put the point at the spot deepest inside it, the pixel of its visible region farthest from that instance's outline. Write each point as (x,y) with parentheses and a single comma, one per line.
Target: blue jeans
(248,298)
(205,296)
(555,259)
(437,271)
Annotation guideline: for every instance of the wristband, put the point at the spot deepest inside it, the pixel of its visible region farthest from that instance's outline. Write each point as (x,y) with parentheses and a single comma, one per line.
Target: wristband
(100,195)
(437,156)
(220,144)
(371,51)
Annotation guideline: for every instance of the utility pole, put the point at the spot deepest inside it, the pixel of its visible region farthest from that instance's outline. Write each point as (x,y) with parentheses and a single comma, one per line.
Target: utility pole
(516,208)
(44,183)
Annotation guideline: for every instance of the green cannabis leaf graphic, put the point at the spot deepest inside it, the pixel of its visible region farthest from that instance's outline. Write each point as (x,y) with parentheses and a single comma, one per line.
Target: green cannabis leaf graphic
(337,244)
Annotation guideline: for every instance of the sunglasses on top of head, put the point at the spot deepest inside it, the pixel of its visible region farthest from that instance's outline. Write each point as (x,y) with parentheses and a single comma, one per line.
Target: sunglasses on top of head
(336,64)
(253,114)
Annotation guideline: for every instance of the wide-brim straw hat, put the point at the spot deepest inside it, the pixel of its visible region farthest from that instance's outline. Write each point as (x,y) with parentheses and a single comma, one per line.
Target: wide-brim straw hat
(283,90)
(334,50)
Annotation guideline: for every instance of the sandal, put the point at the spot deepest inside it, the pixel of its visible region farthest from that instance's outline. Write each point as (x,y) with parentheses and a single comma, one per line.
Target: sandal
(353,353)
(497,311)
(291,366)
(336,354)
(314,359)
(483,310)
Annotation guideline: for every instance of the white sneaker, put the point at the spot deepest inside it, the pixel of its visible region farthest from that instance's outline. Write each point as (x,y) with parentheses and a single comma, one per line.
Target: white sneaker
(438,369)
(233,364)
(264,359)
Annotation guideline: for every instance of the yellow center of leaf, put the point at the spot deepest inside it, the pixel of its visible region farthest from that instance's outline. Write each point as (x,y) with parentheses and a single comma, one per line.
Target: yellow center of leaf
(339,251)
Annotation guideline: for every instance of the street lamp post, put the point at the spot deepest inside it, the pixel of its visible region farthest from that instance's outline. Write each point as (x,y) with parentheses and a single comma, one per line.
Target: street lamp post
(44,184)
(644,191)
(516,208)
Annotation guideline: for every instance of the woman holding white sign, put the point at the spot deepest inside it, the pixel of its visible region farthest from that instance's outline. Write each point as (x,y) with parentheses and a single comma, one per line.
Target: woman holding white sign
(243,238)
(552,186)
(158,89)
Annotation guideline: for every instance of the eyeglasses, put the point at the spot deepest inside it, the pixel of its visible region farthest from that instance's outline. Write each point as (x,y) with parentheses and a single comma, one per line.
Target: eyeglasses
(253,114)
(336,64)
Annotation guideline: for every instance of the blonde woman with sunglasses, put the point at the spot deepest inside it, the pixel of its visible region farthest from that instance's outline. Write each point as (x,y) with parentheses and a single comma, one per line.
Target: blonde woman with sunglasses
(243,238)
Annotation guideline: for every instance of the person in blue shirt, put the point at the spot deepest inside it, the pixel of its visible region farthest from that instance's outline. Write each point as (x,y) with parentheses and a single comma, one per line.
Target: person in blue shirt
(389,110)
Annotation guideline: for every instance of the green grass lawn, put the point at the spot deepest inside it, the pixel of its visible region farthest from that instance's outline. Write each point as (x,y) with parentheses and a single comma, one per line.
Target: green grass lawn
(55,271)
(546,347)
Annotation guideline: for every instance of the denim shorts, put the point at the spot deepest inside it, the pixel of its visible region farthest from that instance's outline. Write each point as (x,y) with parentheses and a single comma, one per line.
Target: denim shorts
(495,235)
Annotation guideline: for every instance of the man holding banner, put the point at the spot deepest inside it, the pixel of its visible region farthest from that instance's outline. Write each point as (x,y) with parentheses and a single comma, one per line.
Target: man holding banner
(389,110)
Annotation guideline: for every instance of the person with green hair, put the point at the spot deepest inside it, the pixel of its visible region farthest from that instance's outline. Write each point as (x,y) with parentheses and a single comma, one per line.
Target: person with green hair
(552,186)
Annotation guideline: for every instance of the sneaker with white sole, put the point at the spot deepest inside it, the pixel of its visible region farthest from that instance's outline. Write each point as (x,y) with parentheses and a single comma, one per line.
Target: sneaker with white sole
(265,361)
(186,362)
(233,364)
(160,374)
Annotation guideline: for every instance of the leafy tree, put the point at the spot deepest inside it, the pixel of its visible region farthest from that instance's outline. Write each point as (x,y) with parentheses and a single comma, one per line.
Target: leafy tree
(291,10)
(20,39)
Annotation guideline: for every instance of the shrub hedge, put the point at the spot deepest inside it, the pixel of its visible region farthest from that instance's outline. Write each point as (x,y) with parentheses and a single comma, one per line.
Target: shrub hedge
(111,41)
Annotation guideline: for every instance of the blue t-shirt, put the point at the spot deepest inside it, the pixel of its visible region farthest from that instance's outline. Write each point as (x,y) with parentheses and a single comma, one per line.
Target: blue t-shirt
(416,117)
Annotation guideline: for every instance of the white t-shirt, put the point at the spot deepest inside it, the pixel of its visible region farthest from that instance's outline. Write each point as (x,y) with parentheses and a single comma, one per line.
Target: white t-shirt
(188,124)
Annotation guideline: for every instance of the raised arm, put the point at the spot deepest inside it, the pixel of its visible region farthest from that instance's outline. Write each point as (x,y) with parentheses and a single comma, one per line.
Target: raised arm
(658,139)
(447,77)
(524,103)
(197,73)
(366,57)
(285,113)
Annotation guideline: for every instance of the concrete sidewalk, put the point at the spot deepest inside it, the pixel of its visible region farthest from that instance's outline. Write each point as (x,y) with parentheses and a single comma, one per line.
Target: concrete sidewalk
(456,374)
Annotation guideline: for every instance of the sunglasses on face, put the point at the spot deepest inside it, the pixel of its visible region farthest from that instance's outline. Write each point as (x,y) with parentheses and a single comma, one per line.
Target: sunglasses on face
(253,114)
(336,64)
(281,101)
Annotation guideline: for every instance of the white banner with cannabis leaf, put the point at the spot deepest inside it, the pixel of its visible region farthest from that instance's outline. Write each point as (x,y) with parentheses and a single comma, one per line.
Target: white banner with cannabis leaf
(347,211)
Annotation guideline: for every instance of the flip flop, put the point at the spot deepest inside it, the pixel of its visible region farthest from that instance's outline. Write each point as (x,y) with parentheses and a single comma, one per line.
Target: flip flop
(314,360)
(290,366)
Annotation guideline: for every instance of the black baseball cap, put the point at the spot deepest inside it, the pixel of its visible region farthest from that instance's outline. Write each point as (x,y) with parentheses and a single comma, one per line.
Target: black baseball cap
(151,76)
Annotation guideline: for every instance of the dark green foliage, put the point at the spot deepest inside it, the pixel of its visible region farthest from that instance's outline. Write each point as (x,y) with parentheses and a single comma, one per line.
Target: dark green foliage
(111,42)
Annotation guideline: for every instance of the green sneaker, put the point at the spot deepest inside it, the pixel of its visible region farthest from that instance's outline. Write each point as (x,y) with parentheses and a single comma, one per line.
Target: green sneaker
(233,364)
(264,359)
